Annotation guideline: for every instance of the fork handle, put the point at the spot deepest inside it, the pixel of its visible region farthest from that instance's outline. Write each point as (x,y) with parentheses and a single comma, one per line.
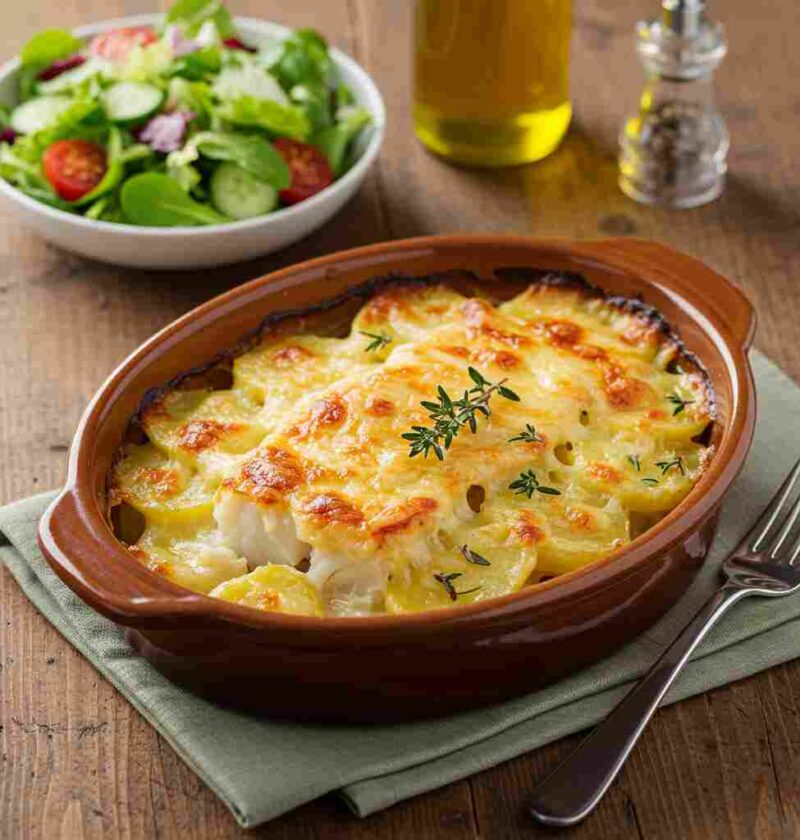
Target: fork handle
(574,788)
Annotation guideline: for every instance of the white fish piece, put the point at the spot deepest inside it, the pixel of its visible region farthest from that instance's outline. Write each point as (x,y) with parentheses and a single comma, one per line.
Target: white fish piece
(261,534)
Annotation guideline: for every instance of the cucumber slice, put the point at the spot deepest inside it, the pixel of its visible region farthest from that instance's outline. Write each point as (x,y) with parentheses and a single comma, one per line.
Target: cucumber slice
(129,102)
(240,195)
(38,113)
(71,79)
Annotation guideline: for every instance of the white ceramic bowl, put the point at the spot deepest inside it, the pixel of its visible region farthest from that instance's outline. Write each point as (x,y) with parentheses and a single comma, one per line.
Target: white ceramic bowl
(200,247)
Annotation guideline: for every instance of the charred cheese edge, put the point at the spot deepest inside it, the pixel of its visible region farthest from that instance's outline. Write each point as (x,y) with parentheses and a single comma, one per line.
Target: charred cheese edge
(293,490)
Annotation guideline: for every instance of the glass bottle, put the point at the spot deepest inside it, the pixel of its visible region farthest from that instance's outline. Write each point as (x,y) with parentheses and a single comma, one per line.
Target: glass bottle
(491,78)
(673,151)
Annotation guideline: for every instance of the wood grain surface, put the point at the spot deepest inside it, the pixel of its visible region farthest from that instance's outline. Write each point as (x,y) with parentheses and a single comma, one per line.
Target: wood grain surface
(77,760)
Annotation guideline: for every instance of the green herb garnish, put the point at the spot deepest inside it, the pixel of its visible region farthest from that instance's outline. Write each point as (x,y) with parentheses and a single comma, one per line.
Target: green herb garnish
(450,416)
(527,484)
(634,460)
(650,482)
(666,466)
(473,557)
(529,435)
(378,340)
(680,404)
(447,583)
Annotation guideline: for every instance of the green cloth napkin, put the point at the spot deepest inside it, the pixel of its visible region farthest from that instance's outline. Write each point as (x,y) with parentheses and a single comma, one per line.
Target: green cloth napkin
(261,768)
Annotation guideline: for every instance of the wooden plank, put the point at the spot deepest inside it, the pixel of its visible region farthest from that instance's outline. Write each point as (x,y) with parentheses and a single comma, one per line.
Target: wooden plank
(77,761)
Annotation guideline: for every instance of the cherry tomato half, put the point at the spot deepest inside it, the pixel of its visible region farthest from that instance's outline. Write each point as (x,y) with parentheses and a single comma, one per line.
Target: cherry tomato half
(74,167)
(308,167)
(117,43)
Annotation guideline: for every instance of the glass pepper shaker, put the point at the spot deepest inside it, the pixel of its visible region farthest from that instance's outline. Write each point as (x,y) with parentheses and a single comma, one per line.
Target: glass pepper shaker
(673,151)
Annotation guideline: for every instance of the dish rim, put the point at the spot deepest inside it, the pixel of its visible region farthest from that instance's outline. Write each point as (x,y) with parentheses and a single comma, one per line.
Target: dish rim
(77,499)
(354,174)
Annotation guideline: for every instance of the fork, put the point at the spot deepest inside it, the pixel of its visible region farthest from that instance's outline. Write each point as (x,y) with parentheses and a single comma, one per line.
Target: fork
(764,563)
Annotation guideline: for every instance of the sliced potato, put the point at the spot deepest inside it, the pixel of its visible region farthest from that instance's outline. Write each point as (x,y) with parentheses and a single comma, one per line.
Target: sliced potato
(191,424)
(272,588)
(162,488)
(191,558)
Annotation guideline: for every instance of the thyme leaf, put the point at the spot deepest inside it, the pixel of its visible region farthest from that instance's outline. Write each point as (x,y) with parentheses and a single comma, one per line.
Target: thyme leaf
(378,340)
(527,484)
(473,557)
(447,582)
(450,416)
(528,435)
(634,460)
(666,466)
(650,482)
(680,404)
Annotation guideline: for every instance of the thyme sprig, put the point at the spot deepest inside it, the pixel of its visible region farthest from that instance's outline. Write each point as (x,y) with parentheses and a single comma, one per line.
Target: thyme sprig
(666,466)
(447,582)
(527,484)
(528,435)
(472,556)
(378,341)
(679,403)
(450,416)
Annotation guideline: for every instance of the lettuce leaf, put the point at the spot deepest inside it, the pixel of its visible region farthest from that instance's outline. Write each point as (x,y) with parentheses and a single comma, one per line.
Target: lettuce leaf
(190,15)
(183,95)
(280,120)
(336,139)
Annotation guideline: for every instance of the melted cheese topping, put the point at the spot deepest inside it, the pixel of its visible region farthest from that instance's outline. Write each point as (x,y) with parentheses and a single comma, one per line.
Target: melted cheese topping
(294,489)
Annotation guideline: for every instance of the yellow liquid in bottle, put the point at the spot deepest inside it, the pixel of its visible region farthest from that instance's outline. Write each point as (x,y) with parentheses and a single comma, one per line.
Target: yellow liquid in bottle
(491,78)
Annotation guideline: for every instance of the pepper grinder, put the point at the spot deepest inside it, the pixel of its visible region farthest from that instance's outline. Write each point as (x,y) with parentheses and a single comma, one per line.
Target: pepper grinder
(673,151)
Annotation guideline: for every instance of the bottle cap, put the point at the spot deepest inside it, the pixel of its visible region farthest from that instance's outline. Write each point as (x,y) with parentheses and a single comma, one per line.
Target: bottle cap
(683,17)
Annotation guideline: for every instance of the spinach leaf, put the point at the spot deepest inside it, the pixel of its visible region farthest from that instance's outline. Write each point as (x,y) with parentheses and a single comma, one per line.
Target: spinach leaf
(304,60)
(156,200)
(283,120)
(334,141)
(42,50)
(192,14)
(198,65)
(248,151)
(48,46)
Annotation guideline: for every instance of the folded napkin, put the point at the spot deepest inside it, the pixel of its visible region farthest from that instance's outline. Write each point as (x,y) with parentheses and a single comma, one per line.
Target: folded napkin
(261,768)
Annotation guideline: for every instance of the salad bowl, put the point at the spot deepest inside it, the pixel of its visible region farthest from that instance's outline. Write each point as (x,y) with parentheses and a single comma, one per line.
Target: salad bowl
(184,246)
(423,663)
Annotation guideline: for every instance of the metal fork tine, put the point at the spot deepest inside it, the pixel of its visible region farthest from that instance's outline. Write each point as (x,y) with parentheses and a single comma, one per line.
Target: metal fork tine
(760,531)
(795,554)
(786,529)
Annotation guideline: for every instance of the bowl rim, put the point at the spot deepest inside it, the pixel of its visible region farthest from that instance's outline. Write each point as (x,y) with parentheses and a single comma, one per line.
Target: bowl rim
(78,504)
(351,177)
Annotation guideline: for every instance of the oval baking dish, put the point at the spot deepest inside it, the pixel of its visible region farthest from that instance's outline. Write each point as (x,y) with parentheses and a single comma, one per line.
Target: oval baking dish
(389,666)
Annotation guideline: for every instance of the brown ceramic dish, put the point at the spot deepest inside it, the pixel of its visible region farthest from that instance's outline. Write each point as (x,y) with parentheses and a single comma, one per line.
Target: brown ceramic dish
(421,663)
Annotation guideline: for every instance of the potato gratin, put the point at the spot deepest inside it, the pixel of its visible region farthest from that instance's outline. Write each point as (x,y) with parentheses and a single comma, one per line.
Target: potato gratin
(447,451)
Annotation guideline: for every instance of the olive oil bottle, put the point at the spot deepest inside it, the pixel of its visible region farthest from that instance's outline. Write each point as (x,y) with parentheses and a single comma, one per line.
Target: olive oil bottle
(491,78)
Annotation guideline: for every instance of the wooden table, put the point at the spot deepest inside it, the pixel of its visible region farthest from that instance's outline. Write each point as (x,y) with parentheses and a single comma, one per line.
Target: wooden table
(77,760)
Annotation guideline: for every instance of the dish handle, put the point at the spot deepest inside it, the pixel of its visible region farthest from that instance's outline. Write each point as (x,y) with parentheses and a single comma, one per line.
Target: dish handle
(106,577)
(724,302)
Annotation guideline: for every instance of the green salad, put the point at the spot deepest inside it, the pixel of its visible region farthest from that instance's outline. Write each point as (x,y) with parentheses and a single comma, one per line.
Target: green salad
(186,124)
